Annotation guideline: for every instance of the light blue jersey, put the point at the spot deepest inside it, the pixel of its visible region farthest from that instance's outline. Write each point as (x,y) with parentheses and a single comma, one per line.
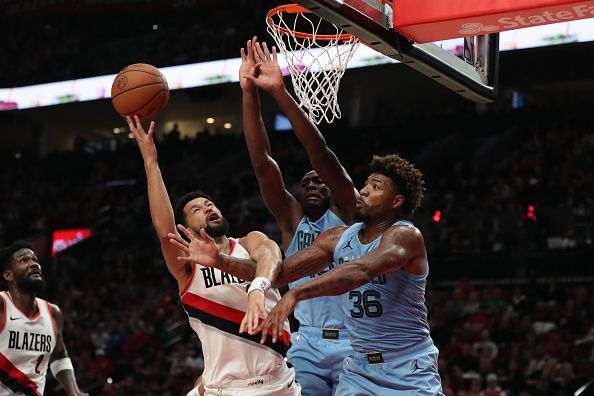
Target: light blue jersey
(324,311)
(386,320)
(320,346)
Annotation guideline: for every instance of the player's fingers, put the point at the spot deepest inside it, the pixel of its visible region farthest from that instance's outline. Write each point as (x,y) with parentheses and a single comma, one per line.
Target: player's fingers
(131,126)
(251,54)
(242,53)
(266,52)
(274,57)
(205,236)
(250,323)
(151,129)
(264,329)
(179,239)
(258,49)
(179,245)
(186,232)
(255,53)
(138,123)
(272,328)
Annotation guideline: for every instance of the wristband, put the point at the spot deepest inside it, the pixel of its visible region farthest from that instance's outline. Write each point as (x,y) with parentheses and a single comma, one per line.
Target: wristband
(60,365)
(260,283)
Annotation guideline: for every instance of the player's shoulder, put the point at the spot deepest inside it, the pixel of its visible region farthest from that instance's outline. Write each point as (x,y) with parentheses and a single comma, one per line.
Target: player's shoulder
(405,231)
(251,237)
(53,308)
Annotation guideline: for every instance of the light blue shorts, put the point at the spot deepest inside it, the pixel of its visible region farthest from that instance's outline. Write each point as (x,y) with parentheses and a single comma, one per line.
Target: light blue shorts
(412,372)
(318,361)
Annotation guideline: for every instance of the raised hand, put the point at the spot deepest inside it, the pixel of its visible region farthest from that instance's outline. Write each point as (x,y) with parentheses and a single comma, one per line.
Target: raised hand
(201,249)
(143,139)
(255,310)
(268,75)
(248,66)
(274,323)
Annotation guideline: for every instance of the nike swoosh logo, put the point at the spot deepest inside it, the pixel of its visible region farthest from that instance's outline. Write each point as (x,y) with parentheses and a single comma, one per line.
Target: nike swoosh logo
(290,383)
(11,318)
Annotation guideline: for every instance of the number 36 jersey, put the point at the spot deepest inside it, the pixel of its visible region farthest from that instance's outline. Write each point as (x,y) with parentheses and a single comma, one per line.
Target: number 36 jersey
(389,312)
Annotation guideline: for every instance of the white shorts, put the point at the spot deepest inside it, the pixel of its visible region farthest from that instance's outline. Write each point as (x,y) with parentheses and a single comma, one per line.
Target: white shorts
(279,382)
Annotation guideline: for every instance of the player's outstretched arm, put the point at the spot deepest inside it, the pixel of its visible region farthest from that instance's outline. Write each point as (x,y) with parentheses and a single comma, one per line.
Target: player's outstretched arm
(159,203)
(283,206)
(202,249)
(323,160)
(59,363)
(399,245)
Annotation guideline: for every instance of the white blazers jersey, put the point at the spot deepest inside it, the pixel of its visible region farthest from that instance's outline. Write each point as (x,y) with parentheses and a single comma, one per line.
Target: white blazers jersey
(25,348)
(216,303)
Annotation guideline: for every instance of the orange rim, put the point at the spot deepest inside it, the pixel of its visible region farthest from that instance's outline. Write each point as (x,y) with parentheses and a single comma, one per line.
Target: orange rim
(294,9)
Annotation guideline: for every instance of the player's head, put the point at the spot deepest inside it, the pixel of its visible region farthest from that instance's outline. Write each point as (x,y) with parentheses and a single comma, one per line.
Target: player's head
(313,193)
(196,210)
(21,268)
(394,189)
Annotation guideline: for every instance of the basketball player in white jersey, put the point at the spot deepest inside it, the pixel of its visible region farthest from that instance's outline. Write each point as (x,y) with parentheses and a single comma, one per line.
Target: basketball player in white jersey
(220,306)
(30,329)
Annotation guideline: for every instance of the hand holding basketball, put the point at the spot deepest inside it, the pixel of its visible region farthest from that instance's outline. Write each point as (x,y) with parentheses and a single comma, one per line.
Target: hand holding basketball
(141,90)
(144,139)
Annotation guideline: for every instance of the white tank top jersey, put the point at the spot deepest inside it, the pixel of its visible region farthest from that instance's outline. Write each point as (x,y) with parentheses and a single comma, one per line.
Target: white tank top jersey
(26,344)
(216,303)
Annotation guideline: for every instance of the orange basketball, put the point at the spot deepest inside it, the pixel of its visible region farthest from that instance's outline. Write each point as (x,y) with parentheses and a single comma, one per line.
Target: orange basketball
(140,89)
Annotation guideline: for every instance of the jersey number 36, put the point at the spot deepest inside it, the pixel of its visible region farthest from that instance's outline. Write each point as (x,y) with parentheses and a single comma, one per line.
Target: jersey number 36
(365,303)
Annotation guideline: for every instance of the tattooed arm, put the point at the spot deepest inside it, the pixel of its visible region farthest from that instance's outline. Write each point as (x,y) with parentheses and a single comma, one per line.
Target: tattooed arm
(400,247)
(310,260)
(202,249)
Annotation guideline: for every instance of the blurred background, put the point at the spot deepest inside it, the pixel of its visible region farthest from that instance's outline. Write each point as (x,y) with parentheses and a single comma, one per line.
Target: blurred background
(507,218)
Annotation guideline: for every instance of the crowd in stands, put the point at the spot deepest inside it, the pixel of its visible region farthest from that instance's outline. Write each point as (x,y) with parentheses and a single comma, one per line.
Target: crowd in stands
(128,335)
(90,38)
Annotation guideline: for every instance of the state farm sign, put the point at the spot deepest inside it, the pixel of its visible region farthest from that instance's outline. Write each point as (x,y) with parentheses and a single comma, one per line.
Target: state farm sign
(426,20)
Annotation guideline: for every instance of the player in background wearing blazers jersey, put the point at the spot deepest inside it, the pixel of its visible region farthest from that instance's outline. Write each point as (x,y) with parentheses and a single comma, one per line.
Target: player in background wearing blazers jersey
(220,306)
(380,276)
(326,199)
(30,328)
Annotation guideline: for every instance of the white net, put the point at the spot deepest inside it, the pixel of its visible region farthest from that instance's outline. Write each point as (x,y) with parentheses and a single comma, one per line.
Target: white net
(316,61)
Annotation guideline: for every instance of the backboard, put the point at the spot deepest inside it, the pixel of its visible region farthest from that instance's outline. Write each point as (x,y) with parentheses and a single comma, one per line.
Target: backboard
(473,76)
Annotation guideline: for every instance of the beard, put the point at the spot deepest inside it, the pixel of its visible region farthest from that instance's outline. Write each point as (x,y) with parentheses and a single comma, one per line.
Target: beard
(360,217)
(219,230)
(26,284)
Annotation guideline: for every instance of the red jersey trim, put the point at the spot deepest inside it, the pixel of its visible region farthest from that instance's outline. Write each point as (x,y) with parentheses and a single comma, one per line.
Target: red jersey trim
(17,377)
(49,310)
(187,286)
(4,313)
(26,316)
(226,313)
(232,243)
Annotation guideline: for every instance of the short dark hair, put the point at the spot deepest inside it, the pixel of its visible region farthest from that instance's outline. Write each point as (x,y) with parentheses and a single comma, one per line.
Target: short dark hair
(405,175)
(7,252)
(178,212)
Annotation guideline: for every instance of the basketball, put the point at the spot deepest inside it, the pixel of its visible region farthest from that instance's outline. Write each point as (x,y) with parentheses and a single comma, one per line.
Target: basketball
(140,89)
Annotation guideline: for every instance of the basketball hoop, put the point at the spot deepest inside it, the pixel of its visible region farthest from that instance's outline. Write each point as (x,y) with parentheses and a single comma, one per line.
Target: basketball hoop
(316,60)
